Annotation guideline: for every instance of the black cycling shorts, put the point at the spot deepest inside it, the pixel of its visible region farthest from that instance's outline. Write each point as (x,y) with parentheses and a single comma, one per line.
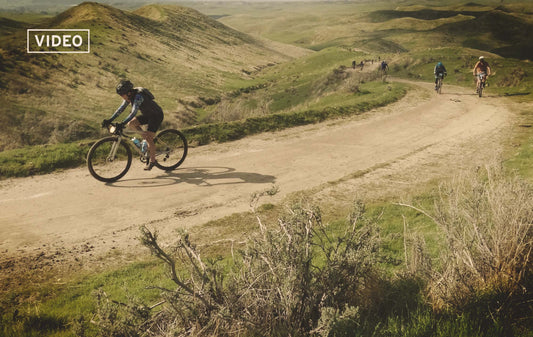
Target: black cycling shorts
(153,123)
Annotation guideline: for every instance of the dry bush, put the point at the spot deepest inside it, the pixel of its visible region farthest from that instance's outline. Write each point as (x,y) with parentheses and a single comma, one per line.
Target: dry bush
(233,109)
(298,278)
(343,80)
(513,78)
(299,275)
(198,305)
(487,218)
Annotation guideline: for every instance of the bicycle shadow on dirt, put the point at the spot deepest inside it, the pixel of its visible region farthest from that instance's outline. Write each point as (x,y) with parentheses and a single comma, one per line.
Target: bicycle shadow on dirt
(199,176)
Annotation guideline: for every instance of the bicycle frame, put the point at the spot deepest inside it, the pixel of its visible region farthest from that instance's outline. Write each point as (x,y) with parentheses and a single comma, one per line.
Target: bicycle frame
(438,82)
(122,134)
(482,77)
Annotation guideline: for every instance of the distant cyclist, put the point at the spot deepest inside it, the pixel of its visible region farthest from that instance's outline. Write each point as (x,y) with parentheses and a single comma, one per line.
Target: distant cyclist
(481,70)
(384,66)
(439,71)
(151,114)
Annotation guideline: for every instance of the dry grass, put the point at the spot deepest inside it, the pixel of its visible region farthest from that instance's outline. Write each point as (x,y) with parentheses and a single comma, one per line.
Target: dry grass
(487,218)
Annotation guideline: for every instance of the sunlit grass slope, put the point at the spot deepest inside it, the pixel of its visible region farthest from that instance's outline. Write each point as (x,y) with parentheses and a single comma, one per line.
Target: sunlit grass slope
(315,82)
(174,51)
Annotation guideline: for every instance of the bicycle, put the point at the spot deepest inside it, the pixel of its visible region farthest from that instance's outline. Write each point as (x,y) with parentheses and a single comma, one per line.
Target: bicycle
(383,73)
(481,82)
(109,159)
(438,87)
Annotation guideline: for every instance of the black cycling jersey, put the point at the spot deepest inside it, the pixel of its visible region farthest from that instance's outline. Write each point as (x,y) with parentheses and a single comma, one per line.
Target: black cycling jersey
(143,100)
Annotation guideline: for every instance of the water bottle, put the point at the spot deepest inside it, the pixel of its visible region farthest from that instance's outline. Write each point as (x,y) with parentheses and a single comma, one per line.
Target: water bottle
(144,146)
(136,142)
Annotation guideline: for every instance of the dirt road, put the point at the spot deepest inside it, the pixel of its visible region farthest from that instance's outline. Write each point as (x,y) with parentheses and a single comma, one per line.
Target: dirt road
(72,209)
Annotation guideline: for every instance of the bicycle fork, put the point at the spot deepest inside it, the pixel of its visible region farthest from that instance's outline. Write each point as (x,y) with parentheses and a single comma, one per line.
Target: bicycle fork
(113,151)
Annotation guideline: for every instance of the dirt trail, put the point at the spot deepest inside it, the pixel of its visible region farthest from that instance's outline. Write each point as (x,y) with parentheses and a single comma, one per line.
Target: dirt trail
(71,209)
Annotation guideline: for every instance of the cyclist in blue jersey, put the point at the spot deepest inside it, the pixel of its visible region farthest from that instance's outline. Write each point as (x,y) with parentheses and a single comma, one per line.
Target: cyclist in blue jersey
(384,66)
(152,115)
(439,71)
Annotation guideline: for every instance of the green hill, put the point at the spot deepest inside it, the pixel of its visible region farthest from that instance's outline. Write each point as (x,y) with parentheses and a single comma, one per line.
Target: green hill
(500,30)
(177,52)
(10,26)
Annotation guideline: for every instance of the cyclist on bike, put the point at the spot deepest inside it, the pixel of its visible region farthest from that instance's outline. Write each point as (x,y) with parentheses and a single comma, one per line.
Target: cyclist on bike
(151,114)
(481,69)
(384,66)
(439,71)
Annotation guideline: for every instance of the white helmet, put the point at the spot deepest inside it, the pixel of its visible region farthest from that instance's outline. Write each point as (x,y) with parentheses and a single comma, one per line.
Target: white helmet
(481,57)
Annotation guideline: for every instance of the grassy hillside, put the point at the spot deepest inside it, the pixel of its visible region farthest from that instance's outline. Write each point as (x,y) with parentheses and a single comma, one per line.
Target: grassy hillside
(315,81)
(174,51)
(488,26)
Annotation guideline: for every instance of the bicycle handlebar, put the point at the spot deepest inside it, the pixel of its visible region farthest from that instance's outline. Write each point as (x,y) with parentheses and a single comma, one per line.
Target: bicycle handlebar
(115,128)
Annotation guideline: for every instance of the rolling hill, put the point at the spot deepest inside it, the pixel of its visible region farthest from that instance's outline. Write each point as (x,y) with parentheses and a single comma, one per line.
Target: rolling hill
(490,26)
(499,30)
(177,52)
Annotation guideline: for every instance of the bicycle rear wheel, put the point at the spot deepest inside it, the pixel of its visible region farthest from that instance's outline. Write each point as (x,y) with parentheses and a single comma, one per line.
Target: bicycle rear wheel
(108,160)
(171,149)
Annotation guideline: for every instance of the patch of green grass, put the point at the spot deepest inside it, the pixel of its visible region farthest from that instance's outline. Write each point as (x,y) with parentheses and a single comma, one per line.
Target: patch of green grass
(290,97)
(51,309)
(309,67)
(41,159)
(522,160)
(399,224)
(520,154)
(423,322)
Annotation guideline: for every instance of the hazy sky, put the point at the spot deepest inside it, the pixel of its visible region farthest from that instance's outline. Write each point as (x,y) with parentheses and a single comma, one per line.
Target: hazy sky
(60,5)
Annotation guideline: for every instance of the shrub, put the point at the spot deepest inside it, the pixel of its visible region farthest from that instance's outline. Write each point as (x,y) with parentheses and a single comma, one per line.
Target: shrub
(294,276)
(487,218)
(298,278)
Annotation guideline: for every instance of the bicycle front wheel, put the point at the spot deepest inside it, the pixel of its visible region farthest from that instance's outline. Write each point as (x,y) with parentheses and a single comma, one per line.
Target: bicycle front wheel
(171,149)
(108,159)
